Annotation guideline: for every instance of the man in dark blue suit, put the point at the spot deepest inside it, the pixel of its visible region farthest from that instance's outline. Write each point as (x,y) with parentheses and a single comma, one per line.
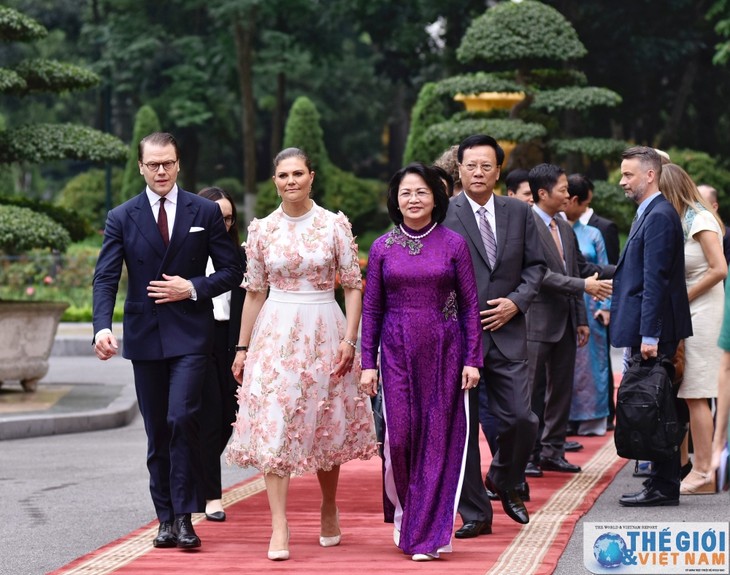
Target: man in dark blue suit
(650,309)
(165,236)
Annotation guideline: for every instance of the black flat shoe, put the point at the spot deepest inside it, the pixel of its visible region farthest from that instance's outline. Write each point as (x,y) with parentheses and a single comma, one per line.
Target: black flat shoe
(572,446)
(165,536)
(533,470)
(473,529)
(216,516)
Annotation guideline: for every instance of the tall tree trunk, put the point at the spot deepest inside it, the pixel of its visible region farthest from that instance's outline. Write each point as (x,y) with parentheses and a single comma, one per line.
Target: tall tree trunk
(244,32)
(190,152)
(277,119)
(669,135)
(397,130)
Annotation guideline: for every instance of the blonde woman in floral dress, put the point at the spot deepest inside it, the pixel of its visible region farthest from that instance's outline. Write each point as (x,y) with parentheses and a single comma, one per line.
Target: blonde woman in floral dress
(300,409)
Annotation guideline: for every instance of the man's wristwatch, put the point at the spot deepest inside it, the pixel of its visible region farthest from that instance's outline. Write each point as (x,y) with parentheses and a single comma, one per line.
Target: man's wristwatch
(241,348)
(193,295)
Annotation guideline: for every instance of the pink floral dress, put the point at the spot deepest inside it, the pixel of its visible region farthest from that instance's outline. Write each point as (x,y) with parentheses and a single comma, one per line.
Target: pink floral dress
(294,416)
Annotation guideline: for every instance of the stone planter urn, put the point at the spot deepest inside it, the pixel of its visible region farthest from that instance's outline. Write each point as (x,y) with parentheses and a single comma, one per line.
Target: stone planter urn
(27,331)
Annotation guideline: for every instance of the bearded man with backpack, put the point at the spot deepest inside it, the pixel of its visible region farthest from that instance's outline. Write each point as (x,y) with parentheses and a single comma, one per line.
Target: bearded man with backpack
(650,310)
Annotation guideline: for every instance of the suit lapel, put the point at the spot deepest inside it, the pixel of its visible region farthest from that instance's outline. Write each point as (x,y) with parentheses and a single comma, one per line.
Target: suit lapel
(547,240)
(468,220)
(184,217)
(140,212)
(640,222)
(501,218)
(566,239)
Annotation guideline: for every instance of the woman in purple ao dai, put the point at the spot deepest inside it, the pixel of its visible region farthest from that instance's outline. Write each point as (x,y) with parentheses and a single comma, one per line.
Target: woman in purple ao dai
(420,310)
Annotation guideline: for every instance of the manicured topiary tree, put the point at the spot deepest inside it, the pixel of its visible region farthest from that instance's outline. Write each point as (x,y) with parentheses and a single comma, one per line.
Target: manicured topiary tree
(145,122)
(85,193)
(428,110)
(39,143)
(528,48)
(303,130)
(333,188)
(22,229)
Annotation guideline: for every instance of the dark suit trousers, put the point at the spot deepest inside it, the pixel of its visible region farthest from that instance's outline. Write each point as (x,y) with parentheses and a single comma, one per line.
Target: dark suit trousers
(219,410)
(509,402)
(551,367)
(665,475)
(169,393)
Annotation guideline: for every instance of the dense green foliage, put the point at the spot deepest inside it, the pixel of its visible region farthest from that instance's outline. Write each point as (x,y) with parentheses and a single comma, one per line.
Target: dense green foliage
(145,122)
(575,98)
(22,229)
(17,27)
(303,131)
(41,143)
(526,46)
(439,137)
(342,191)
(43,276)
(429,109)
(51,76)
(590,147)
(476,83)
(610,201)
(72,221)
(527,30)
(86,195)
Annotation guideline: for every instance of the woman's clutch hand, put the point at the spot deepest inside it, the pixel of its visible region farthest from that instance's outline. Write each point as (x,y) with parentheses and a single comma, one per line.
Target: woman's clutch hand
(237,368)
(369,382)
(469,377)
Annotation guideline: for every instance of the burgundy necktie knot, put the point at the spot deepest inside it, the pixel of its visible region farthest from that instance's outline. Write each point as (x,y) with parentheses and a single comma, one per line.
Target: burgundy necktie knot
(162,223)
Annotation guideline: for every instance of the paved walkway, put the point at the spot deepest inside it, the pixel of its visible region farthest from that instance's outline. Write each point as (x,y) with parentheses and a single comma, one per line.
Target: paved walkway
(81,393)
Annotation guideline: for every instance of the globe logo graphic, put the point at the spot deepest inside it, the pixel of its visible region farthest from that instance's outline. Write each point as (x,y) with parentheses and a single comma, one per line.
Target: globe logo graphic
(609,550)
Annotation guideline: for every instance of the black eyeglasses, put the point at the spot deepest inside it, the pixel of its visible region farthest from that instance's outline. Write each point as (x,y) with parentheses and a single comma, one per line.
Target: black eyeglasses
(229,220)
(155,166)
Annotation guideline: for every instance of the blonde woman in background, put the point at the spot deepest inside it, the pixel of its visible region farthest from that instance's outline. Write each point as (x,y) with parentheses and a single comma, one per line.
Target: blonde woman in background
(705,270)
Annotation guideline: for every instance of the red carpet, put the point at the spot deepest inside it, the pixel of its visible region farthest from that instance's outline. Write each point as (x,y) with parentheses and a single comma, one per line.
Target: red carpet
(239,545)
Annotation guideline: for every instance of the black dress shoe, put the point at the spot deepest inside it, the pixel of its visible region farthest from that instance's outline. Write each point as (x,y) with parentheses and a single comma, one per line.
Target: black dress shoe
(473,529)
(558,464)
(492,495)
(572,446)
(216,516)
(533,470)
(523,490)
(186,537)
(165,536)
(648,498)
(512,504)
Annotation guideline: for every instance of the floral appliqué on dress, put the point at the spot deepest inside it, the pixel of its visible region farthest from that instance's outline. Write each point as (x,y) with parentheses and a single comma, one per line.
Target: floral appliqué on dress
(396,236)
(451,309)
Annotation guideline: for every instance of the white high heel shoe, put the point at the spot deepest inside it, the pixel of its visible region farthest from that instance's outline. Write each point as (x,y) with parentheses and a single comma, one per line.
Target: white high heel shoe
(334,540)
(281,554)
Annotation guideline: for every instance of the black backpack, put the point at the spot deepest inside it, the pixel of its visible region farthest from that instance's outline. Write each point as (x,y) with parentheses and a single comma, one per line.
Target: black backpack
(647,425)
